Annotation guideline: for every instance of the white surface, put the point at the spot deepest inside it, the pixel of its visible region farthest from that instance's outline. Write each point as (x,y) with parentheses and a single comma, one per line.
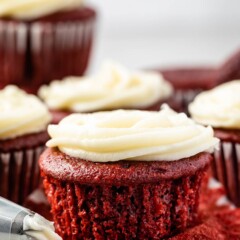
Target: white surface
(166,32)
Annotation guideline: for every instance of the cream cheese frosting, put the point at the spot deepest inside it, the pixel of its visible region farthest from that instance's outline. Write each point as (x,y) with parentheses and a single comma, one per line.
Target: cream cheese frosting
(30,9)
(219,107)
(114,87)
(131,135)
(21,113)
(39,228)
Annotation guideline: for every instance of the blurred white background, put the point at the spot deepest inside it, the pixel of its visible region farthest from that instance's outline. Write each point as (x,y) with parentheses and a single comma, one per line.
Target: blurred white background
(140,33)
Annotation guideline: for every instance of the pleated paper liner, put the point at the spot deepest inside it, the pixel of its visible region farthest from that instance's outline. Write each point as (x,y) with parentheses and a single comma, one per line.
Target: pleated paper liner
(35,53)
(19,173)
(59,50)
(181,99)
(226,168)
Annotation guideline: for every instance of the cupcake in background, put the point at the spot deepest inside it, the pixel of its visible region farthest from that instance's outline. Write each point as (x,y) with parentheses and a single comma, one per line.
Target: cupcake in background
(125,174)
(44,40)
(23,122)
(112,88)
(220,108)
(190,81)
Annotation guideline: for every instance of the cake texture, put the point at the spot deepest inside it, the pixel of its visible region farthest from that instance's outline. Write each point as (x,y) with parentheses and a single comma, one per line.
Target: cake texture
(23,135)
(219,108)
(218,218)
(33,39)
(113,87)
(105,179)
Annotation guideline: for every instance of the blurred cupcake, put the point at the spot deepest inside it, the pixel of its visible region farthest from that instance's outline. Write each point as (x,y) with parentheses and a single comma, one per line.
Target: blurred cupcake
(220,108)
(43,40)
(23,134)
(188,82)
(125,174)
(113,87)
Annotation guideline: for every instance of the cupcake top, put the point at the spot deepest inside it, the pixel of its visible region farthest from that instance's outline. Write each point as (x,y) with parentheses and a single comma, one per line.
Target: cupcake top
(131,135)
(114,87)
(30,9)
(21,113)
(219,107)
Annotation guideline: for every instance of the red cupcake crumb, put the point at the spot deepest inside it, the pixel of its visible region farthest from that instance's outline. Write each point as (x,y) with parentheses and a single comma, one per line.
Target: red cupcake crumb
(217,221)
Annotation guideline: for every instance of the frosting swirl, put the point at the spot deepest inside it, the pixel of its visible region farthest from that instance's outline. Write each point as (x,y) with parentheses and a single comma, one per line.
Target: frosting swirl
(30,9)
(219,107)
(114,87)
(39,228)
(21,113)
(131,135)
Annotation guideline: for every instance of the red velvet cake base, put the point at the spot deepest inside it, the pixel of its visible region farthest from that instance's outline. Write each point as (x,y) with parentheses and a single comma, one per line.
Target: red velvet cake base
(226,168)
(45,49)
(146,211)
(122,200)
(19,171)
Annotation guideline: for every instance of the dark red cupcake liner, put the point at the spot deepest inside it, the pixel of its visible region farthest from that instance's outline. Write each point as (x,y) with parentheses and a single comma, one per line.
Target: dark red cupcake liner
(59,49)
(139,211)
(181,99)
(226,168)
(35,53)
(13,45)
(19,173)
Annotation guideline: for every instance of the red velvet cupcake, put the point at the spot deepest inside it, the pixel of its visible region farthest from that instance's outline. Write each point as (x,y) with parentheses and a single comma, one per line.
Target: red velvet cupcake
(44,40)
(190,81)
(125,174)
(112,88)
(23,134)
(220,109)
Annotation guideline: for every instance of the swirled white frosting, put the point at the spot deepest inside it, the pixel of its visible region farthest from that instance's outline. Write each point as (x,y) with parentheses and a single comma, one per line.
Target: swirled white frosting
(30,9)
(219,107)
(114,87)
(39,228)
(131,135)
(21,113)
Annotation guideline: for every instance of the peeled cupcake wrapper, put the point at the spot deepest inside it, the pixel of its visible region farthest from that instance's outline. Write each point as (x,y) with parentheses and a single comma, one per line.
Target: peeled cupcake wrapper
(54,50)
(226,168)
(19,173)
